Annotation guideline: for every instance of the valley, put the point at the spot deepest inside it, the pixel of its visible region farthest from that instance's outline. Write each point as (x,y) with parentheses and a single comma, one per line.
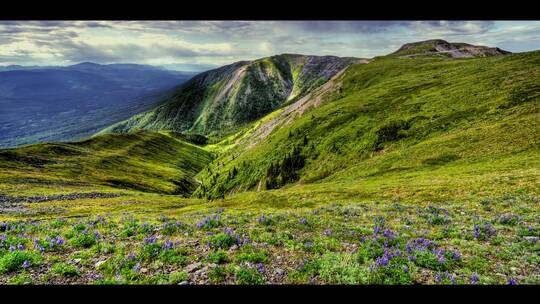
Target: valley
(417,167)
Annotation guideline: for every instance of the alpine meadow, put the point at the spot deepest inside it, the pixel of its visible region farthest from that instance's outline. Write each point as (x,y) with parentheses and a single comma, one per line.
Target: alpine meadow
(415,166)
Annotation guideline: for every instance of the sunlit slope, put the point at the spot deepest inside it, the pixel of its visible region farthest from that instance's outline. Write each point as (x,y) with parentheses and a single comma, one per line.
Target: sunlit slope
(220,101)
(400,121)
(141,161)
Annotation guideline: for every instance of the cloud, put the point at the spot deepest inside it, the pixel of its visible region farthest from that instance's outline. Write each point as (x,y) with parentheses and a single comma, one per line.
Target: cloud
(223,42)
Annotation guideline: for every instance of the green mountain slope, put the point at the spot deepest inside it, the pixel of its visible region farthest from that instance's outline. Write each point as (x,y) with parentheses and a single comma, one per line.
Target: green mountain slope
(142,161)
(221,100)
(405,122)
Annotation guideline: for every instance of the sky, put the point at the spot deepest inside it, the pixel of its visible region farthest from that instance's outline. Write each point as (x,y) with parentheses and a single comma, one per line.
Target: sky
(200,45)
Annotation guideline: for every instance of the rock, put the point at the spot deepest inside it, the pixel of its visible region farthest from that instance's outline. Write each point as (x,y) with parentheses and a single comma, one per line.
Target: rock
(212,265)
(233,247)
(99,263)
(279,271)
(192,267)
(183,283)
(77,261)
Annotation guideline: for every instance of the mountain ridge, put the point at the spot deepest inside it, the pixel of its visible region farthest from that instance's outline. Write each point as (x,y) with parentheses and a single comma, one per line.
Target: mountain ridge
(230,96)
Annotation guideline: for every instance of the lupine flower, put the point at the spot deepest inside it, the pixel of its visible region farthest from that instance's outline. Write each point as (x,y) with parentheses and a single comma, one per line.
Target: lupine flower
(260,267)
(12,248)
(150,240)
(168,245)
(441,259)
(25,264)
(131,256)
(438,278)
(137,267)
(512,282)
(456,255)
(476,231)
(327,232)
(59,241)
(20,247)
(97,234)
(405,268)
(303,221)
(474,278)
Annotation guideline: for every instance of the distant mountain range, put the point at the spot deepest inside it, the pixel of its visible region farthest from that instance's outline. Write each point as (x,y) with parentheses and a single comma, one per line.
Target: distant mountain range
(67,103)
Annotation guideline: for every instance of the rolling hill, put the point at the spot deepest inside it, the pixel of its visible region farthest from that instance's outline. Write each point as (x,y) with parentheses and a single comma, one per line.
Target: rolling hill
(149,162)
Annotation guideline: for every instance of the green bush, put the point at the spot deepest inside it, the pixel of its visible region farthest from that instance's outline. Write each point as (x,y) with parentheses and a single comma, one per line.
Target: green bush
(342,268)
(83,240)
(253,257)
(12,261)
(248,276)
(65,270)
(221,240)
(218,257)
(177,277)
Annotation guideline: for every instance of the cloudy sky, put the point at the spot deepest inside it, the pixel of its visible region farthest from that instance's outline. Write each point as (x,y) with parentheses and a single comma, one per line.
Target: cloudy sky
(192,45)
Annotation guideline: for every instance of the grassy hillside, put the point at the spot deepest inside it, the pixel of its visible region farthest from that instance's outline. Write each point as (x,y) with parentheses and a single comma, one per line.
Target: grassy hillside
(141,161)
(396,119)
(221,100)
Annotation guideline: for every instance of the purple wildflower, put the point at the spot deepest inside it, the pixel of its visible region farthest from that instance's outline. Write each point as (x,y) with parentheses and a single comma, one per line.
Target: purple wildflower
(168,245)
(303,221)
(20,247)
(260,267)
(150,240)
(59,241)
(25,264)
(137,267)
(512,282)
(474,278)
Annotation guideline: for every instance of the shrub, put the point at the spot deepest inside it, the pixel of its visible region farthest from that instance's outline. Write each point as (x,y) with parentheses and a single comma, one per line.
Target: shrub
(253,257)
(83,240)
(218,257)
(217,274)
(341,268)
(174,256)
(15,260)
(248,276)
(65,270)
(221,240)
(177,277)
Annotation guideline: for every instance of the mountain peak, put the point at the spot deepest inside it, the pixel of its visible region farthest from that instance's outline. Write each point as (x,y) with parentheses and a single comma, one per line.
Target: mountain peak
(443,48)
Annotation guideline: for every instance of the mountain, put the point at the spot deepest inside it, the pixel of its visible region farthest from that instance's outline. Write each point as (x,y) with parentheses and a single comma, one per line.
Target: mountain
(67,103)
(388,121)
(221,100)
(439,47)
